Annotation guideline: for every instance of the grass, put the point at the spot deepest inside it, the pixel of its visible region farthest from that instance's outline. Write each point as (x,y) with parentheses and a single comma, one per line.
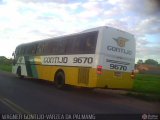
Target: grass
(147,84)
(7,68)
(146,87)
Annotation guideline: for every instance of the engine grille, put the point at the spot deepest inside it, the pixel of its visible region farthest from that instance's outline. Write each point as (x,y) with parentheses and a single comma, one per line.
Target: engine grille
(83,76)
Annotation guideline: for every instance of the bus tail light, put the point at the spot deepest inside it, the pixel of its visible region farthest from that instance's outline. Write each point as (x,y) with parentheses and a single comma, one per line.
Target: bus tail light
(132,74)
(99,69)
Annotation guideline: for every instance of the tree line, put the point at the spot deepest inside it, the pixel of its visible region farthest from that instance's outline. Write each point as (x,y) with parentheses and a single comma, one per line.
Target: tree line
(5,61)
(148,62)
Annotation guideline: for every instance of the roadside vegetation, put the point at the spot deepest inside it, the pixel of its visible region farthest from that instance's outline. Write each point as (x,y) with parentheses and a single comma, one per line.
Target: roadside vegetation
(147,83)
(7,68)
(146,87)
(5,64)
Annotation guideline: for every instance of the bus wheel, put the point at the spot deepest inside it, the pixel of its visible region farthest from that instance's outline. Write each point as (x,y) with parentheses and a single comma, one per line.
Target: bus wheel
(59,80)
(19,73)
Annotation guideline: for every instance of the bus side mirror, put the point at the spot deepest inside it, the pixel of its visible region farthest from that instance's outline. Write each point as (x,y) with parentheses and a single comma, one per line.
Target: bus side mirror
(14,55)
(14,61)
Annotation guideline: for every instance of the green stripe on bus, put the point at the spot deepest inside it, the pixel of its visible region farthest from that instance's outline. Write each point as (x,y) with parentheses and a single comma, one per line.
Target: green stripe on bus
(28,66)
(34,70)
(31,67)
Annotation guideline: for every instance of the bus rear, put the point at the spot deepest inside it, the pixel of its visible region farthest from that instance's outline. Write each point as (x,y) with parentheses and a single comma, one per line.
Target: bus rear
(116,59)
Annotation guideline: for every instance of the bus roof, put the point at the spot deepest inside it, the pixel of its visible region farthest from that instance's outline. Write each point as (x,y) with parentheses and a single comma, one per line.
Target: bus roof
(84,31)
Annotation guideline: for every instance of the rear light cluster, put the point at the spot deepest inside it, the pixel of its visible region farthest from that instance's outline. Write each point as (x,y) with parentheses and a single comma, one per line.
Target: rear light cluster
(99,69)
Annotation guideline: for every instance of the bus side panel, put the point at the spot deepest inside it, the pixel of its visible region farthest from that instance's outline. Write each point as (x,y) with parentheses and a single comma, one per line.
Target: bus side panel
(44,72)
(48,72)
(93,77)
(72,75)
(78,76)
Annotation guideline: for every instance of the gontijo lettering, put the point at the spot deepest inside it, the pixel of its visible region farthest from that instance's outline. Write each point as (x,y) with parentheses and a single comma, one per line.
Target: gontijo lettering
(120,50)
(55,59)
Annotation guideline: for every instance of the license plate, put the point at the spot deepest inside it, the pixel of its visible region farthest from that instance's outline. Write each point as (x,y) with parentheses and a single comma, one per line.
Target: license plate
(118,74)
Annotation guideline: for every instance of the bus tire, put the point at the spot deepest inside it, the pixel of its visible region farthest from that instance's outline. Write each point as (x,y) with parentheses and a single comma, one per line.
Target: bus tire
(19,73)
(59,80)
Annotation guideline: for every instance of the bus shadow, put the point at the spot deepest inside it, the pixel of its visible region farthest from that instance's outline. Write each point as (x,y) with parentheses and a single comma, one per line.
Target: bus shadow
(92,92)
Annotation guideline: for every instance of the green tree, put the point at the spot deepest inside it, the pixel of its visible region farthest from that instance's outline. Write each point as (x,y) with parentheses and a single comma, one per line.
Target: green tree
(151,62)
(4,60)
(140,62)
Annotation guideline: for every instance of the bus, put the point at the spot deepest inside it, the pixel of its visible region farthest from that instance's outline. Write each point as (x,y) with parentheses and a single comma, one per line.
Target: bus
(101,57)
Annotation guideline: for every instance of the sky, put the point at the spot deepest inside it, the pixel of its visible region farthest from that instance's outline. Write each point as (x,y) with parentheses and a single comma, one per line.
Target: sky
(23,21)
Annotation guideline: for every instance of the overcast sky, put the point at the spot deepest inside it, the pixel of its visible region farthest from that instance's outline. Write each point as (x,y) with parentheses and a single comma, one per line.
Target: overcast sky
(24,21)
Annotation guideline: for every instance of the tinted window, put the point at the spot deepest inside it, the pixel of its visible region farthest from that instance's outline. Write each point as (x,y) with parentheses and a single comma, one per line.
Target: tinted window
(55,47)
(20,50)
(61,45)
(82,44)
(17,51)
(29,49)
(40,48)
(33,49)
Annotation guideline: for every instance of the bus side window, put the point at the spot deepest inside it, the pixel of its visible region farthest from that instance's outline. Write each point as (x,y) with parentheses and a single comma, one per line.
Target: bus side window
(84,43)
(17,51)
(79,44)
(33,49)
(47,49)
(60,47)
(90,43)
(40,48)
(21,50)
(70,45)
(53,47)
(24,50)
(27,50)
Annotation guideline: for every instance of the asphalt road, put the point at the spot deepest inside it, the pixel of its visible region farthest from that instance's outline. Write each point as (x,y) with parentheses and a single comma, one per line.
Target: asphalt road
(35,96)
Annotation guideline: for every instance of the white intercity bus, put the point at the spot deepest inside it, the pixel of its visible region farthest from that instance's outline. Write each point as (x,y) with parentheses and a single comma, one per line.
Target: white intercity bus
(101,57)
